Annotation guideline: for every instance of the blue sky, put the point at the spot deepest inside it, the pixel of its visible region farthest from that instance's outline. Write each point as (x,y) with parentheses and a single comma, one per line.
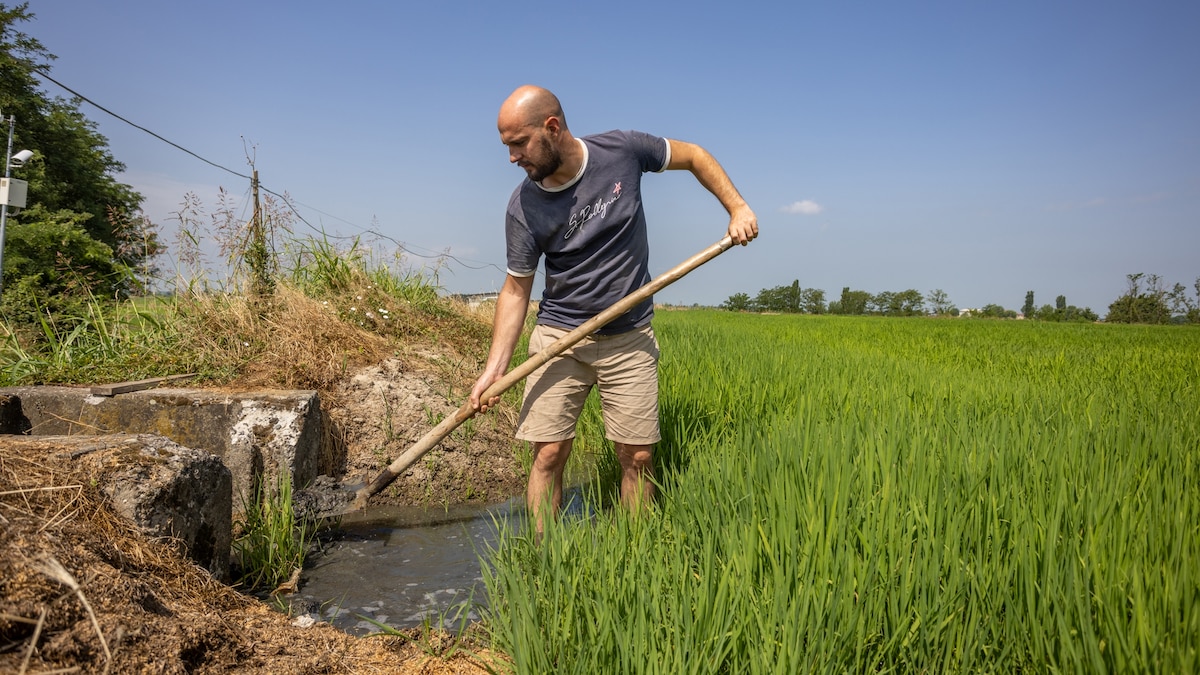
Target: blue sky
(985,149)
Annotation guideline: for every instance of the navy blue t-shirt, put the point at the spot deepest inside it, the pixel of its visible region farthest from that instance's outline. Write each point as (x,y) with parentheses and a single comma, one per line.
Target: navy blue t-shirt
(591,231)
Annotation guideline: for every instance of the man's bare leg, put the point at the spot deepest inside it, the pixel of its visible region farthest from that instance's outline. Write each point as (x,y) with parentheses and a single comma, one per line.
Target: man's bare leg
(637,475)
(545,479)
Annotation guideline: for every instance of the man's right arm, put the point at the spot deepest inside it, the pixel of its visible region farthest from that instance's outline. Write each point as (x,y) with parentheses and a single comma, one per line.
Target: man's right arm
(511,307)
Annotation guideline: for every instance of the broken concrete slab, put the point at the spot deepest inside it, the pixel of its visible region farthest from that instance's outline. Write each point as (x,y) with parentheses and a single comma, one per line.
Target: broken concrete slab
(258,434)
(166,489)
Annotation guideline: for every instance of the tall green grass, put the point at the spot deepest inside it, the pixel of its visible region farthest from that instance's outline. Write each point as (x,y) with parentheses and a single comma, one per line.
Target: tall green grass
(103,342)
(887,495)
(272,540)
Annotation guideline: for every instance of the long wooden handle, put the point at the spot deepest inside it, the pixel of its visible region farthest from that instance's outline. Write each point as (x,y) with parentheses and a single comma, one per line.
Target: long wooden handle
(466,412)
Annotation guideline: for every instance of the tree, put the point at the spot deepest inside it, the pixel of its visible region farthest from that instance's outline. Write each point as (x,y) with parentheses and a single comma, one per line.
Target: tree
(812,301)
(1028,308)
(909,302)
(773,299)
(81,267)
(851,302)
(994,311)
(791,299)
(939,303)
(881,302)
(79,184)
(1193,314)
(1136,306)
(1193,309)
(738,302)
(1061,311)
(1183,308)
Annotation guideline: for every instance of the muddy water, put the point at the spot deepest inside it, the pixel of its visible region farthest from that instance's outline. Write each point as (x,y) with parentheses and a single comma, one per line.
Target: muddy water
(404,566)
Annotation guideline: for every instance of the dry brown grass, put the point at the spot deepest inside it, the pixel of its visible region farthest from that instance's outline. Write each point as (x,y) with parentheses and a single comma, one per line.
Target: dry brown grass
(293,341)
(290,341)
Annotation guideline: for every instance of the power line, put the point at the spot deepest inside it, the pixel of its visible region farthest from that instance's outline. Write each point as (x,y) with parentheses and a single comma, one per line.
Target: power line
(141,128)
(287,201)
(371,231)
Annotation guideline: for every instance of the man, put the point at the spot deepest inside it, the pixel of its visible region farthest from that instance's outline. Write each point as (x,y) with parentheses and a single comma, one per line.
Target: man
(580,208)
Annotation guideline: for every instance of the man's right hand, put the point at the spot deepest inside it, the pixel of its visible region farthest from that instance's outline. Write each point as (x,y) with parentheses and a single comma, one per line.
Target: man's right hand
(486,380)
(511,307)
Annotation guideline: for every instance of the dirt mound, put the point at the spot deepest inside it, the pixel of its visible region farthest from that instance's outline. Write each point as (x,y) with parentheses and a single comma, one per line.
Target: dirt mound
(381,410)
(82,589)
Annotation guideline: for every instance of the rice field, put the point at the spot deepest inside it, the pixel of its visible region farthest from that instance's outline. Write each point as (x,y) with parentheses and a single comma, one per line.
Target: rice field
(862,494)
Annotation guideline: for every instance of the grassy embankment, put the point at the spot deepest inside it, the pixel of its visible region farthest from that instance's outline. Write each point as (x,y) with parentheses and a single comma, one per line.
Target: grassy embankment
(888,495)
(331,311)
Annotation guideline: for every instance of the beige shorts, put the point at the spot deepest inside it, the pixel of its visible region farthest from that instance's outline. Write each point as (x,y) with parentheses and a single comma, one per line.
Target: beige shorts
(623,367)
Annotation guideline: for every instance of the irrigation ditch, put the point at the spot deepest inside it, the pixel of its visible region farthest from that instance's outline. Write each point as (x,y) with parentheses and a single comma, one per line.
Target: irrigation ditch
(182,462)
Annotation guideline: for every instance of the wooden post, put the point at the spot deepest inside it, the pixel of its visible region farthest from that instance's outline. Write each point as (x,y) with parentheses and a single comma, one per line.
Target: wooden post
(257,254)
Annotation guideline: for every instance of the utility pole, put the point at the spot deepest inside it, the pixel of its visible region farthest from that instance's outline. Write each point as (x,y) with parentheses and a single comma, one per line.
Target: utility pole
(257,255)
(11,191)
(12,121)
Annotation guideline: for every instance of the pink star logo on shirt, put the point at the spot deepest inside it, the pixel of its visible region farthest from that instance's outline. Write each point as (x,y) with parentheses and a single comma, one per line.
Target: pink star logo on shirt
(617,189)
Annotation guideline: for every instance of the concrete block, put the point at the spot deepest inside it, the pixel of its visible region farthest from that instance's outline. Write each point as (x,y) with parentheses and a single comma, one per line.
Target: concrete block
(257,434)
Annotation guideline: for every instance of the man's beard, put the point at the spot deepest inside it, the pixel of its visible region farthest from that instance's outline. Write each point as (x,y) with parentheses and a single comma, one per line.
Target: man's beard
(550,160)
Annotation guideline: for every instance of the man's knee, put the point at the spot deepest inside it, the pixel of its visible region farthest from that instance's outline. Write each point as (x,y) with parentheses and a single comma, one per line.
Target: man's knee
(638,457)
(551,456)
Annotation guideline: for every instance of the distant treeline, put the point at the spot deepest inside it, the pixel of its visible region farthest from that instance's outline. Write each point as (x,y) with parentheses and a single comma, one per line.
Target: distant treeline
(1147,300)
(792,299)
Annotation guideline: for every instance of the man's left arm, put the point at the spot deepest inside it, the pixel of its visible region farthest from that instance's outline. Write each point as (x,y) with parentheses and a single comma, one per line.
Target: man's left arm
(743,224)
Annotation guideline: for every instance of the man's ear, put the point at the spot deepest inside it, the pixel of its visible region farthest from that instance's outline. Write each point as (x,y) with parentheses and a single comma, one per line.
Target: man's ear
(553,125)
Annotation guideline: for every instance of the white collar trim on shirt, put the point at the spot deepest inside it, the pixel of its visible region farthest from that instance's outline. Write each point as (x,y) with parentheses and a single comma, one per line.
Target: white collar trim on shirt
(576,177)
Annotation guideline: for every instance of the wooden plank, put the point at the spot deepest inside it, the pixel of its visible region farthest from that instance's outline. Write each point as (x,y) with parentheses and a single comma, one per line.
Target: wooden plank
(136,385)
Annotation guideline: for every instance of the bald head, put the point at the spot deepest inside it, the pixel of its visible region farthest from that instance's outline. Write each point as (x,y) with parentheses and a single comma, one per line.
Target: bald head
(530,105)
(532,125)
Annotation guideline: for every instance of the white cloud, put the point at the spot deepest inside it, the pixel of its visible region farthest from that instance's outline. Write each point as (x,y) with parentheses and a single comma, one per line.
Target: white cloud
(805,208)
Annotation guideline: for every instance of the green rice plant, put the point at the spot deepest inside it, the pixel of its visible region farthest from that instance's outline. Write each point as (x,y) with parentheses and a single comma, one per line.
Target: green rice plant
(887,495)
(273,542)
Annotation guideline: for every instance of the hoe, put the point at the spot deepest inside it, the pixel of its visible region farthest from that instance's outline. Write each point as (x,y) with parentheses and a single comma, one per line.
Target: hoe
(466,412)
